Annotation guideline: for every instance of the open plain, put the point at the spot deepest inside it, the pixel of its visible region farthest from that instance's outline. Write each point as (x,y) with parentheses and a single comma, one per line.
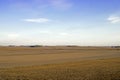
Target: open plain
(59,63)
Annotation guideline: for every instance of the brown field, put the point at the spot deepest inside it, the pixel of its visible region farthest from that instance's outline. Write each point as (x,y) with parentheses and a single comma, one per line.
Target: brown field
(59,63)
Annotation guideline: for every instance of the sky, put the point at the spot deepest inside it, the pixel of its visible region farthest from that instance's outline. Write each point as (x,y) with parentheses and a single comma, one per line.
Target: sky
(60,22)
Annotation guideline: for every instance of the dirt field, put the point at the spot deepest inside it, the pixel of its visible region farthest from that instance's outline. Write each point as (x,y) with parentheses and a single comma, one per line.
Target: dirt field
(24,56)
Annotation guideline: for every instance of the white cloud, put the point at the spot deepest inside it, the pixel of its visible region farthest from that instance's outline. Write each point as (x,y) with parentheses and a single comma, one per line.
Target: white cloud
(114,19)
(45,32)
(38,20)
(13,35)
(63,34)
(38,6)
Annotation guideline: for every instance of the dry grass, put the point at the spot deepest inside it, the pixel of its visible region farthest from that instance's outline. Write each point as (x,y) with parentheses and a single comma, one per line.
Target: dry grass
(104,69)
(59,63)
(25,56)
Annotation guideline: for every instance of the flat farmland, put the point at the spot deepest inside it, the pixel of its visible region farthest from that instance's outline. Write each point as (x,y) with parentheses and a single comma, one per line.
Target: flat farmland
(27,56)
(59,63)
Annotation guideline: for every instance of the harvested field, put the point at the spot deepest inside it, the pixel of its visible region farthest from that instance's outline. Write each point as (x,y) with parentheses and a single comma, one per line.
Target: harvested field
(59,63)
(103,69)
(24,56)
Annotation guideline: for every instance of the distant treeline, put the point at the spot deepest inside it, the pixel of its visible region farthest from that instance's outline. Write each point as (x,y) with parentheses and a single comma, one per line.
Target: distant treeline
(26,46)
(59,46)
(115,46)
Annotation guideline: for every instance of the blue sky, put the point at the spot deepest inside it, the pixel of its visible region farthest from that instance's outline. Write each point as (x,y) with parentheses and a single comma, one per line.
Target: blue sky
(60,22)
